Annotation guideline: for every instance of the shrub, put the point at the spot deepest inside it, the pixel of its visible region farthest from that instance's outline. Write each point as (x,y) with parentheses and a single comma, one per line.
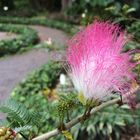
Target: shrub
(27,37)
(105,124)
(32,89)
(135,30)
(40,21)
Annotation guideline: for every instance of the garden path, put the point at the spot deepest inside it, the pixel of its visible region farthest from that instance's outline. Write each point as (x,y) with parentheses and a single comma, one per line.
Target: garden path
(7,36)
(16,67)
(57,36)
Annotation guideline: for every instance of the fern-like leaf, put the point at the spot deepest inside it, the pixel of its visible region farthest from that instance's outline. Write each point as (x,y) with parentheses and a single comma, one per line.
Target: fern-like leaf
(23,128)
(18,114)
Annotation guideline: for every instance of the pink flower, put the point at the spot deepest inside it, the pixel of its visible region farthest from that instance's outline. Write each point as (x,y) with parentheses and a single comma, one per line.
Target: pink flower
(97,65)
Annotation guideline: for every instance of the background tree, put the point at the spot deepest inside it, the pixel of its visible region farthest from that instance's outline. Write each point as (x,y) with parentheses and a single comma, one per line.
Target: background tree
(51,5)
(66,4)
(8,3)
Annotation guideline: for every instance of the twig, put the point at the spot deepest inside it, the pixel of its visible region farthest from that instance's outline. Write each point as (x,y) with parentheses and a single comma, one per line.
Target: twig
(75,121)
(23,136)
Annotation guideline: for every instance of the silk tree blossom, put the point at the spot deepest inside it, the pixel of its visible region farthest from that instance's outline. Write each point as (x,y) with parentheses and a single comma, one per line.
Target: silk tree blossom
(97,65)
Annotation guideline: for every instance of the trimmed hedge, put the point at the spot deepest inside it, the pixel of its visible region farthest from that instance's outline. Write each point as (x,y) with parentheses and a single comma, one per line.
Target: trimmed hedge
(27,38)
(69,28)
(37,81)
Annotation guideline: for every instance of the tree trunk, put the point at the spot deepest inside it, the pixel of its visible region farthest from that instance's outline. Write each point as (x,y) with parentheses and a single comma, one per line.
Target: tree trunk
(35,4)
(65,4)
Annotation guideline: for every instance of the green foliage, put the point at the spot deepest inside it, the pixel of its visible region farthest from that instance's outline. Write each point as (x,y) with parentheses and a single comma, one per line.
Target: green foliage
(18,115)
(22,128)
(37,102)
(103,125)
(65,104)
(107,123)
(86,11)
(38,80)
(78,7)
(134,29)
(120,11)
(32,89)
(132,45)
(40,21)
(27,37)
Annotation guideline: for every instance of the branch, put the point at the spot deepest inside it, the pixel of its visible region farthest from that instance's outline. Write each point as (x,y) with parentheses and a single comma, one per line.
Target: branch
(80,117)
(75,121)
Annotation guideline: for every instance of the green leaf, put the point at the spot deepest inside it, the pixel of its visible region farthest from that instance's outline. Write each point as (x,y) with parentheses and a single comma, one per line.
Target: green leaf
(18,114)
(130,10)
(67,134)
(101,125)
(23,128)
(121,123)
(81,98)
(109,126)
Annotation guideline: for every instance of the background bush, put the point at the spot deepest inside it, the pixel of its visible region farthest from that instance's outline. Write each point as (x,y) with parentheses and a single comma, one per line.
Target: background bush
(69,28)
(37,91)
(27,37)
(110,122)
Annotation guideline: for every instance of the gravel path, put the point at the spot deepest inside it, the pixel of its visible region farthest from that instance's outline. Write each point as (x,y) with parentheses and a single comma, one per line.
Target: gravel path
(7,36)
(14,68)
(57,36)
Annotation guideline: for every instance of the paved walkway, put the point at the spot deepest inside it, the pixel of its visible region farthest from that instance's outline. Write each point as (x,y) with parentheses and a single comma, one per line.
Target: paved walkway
(57,36)
(7,36)
(14,68)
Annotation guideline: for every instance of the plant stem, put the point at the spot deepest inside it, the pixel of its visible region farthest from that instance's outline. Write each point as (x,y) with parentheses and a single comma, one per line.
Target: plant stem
(68,118)
(76,120)
(23,136)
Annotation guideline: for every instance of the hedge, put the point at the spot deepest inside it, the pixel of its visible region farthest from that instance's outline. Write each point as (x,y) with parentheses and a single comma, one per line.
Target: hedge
(27,37)
(69,28)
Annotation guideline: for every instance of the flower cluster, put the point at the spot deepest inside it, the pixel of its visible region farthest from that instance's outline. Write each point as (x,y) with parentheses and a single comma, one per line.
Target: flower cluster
(97,64)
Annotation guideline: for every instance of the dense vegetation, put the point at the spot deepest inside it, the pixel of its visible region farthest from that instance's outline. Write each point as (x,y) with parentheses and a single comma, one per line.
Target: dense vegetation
(27,38)
(42,95)
(37,105)
(40,21)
